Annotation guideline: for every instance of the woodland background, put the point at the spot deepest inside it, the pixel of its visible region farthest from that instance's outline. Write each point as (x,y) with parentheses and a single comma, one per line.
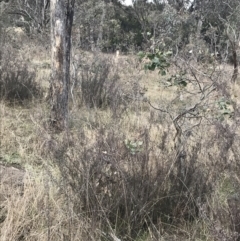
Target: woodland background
(151,151)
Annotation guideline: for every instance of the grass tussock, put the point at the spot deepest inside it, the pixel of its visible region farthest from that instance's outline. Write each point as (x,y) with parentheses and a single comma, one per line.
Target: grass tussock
(125,170)
(17,79)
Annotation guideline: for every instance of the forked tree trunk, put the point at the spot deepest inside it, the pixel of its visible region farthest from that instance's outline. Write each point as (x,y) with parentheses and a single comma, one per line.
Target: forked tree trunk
(61,25)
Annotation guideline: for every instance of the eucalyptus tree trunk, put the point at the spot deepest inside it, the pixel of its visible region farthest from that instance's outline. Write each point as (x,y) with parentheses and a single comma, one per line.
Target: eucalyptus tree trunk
(235,61)
(100,34)
(62,12)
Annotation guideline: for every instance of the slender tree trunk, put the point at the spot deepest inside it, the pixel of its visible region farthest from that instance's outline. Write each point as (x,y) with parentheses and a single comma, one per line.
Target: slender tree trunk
(44,8)
(61,25)
(235,64)
(100,34)
(91,38)
(198,39)
(234,47)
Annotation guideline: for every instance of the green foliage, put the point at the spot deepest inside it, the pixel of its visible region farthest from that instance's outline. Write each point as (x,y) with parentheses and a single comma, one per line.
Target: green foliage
(157,60)
(119,28)
(225,108)
(133,146)
(178,80)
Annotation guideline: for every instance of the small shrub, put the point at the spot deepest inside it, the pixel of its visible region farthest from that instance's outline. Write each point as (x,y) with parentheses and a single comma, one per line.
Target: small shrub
(129,188)
(98,85)
(17,81)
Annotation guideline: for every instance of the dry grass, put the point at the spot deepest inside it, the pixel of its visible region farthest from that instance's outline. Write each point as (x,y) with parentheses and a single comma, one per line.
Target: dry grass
(117,172)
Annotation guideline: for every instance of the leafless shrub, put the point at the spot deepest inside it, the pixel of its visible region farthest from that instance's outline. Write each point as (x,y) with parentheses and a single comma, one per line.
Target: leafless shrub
(222,221)
(131,188)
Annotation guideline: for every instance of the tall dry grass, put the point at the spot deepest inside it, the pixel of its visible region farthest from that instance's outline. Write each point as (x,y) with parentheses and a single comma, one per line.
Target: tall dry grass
(116,174)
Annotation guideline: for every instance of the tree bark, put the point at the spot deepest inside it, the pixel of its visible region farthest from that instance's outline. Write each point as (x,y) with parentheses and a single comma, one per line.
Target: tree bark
(233,44)
(44,7)
(100,34)
(61,25)
(235,65)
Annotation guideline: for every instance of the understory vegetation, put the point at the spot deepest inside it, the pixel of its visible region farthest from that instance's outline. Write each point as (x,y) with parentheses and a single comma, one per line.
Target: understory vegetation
(146,157)
(151,151)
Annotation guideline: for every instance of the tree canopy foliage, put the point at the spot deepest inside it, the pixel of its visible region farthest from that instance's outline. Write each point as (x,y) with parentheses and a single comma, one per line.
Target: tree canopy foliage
(202,27)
